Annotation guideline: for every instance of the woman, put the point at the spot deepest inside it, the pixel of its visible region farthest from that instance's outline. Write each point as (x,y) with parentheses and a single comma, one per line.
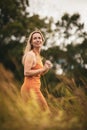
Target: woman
(33,68)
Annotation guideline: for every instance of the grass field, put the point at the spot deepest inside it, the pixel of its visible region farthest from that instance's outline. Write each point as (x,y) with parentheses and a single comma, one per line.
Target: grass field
(68,112)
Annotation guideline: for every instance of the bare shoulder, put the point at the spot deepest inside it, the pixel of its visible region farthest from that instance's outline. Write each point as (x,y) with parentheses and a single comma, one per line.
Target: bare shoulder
(30,54)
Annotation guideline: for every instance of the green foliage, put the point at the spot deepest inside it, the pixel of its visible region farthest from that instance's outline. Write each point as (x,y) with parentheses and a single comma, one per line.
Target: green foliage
(15,23)
(71,53)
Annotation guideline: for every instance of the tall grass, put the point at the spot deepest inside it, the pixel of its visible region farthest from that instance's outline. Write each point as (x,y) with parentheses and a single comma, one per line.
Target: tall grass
(68,112)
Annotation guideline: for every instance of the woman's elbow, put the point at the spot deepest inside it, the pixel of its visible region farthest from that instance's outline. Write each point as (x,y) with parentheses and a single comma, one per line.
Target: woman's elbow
(26,73)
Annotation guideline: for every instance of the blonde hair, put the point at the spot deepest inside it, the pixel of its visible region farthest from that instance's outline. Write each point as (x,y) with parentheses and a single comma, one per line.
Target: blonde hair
(29,45)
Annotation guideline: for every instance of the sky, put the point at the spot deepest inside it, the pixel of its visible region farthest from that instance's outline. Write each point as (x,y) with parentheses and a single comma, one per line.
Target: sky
(56,8)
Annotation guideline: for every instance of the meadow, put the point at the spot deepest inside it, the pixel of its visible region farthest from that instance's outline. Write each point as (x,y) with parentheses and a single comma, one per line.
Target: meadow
(67,112)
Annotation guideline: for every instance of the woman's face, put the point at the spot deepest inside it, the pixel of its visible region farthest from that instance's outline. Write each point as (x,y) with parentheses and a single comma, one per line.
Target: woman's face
(37,41)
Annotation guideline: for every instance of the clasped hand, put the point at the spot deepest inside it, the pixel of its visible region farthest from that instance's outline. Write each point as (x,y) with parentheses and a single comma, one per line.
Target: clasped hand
(48,65)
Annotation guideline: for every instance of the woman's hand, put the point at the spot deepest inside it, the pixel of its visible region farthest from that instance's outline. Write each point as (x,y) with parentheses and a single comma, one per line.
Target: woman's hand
(49,64)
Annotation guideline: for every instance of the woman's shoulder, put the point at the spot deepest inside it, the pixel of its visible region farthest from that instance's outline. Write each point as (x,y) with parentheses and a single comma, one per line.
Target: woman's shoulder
(30,53)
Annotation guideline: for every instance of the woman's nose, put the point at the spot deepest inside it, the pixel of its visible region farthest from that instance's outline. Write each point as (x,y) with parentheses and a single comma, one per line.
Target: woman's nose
(38,39)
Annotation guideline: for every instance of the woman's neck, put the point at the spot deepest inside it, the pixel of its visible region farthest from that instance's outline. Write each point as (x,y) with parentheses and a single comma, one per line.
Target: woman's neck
(37,51)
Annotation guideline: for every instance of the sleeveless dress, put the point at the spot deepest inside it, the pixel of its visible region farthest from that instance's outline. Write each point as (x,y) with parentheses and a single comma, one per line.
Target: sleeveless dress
(33,83)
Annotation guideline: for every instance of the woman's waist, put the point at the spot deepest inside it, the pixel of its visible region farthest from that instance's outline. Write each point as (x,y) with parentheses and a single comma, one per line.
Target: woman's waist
(33,79)
(31,82)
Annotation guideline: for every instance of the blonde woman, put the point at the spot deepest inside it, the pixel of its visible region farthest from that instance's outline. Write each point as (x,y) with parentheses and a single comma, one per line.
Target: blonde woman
(33,68)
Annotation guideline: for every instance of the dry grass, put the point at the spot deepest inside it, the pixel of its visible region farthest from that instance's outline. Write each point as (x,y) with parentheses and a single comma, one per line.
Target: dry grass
(67,113)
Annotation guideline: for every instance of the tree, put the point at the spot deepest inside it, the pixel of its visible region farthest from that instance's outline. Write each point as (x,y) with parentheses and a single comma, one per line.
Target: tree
(68,48)
(15,26)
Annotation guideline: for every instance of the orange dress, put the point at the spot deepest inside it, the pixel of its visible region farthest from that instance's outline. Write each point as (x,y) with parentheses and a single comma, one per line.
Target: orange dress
(33,83)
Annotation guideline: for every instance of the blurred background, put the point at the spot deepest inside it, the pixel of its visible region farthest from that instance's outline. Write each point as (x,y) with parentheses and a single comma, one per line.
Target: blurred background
(64,26)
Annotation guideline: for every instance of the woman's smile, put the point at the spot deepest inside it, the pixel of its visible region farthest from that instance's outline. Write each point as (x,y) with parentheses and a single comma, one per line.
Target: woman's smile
(37,40)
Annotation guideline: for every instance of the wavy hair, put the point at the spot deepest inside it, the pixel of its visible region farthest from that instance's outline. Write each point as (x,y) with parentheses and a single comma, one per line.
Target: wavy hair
(29,46)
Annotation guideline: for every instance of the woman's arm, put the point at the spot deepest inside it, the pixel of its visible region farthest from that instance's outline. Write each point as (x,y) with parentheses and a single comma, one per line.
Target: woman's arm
(28,64)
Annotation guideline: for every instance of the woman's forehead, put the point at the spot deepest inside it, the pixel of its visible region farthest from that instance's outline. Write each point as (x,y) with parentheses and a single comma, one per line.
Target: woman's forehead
(36,34)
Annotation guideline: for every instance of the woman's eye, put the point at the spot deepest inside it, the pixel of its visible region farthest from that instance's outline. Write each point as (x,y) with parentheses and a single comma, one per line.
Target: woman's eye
(34,38)
(39,38)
